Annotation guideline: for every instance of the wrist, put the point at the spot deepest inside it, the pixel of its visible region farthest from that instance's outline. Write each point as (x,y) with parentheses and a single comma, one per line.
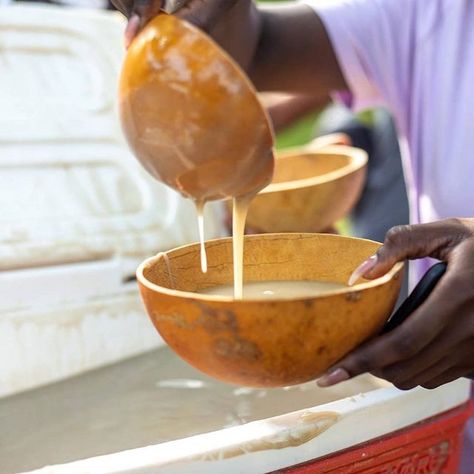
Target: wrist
(243,17)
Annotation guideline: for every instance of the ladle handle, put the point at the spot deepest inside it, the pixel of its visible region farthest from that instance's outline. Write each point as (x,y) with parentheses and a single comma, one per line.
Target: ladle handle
(417,296)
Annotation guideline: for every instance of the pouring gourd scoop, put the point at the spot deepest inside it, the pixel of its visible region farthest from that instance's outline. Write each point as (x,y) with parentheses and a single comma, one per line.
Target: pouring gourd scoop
(191,116)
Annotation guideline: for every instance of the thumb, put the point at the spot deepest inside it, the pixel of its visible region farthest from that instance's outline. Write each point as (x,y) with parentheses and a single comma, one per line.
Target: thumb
(435,240)
(141,13)
(401,243)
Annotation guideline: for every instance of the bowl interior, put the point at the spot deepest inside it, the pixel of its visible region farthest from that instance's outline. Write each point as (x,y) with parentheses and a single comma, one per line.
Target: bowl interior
(307,165)
(269,257)
(299,168)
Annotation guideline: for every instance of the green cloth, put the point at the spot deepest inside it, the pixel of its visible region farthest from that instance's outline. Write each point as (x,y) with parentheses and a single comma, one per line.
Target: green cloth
(299,133)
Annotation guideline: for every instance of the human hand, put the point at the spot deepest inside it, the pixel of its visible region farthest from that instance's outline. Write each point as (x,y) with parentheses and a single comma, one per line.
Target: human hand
(219,17)
(139,13)
(434,345)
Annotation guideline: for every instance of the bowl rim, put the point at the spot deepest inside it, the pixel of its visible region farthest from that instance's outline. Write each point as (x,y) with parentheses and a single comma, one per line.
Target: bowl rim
(392,273)
(358,159)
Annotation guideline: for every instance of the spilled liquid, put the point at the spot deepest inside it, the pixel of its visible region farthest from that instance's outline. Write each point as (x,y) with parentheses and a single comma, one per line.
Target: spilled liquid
(202,242)
(146,400)
(271,290)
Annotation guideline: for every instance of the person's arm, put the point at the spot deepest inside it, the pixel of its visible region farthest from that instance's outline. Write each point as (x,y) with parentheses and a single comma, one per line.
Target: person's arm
(434,345)
(285,110)
(294,53)
(283,48)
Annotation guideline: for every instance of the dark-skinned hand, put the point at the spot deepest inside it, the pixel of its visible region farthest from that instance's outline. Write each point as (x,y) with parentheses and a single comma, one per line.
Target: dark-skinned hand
(223,19)
(435,345)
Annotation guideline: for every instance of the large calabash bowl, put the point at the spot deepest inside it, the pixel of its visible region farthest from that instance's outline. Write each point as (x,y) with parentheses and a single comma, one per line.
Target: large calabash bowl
(190,114)
(264,343)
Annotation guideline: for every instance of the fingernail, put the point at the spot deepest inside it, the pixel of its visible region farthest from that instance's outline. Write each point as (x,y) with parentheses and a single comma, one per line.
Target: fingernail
(362,269)
(333,377)
(131,30)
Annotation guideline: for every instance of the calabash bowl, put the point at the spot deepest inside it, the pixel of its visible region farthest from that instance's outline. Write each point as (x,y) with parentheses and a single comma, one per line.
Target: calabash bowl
(267,343)
(311,190)
(190,114)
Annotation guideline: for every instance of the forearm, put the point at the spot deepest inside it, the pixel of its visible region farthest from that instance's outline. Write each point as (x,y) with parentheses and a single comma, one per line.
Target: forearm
(294,53)
(285,111)
(283,48)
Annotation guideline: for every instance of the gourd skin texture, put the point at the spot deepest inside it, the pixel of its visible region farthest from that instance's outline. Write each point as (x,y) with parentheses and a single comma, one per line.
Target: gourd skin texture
(191,116)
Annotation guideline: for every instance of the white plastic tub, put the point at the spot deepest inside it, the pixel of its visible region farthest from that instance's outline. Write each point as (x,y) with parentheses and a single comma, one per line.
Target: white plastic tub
(78,214)
(155,414)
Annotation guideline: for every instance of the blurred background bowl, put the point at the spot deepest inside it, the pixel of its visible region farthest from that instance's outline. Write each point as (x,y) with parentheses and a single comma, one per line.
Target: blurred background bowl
(312,188)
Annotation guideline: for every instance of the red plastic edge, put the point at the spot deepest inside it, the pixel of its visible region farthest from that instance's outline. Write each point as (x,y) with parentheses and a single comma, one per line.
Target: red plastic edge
(430,447)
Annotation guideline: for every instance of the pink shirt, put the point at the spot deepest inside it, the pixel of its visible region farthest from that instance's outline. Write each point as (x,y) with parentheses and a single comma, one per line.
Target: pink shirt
(415,57)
